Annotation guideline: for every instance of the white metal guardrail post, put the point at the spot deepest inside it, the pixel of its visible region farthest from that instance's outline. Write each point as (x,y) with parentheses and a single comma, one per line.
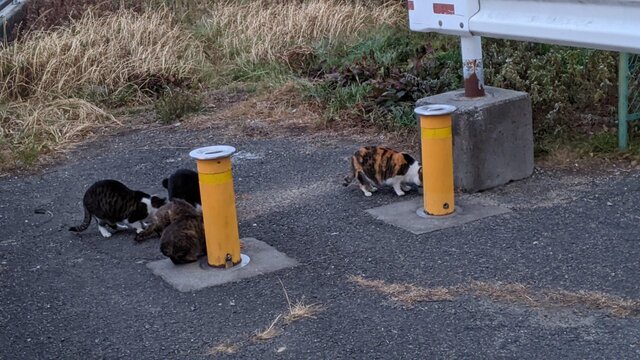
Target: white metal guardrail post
(452,17)
(472,68)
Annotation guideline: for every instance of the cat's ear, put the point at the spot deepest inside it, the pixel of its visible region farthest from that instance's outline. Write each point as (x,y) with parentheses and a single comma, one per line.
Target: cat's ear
(165,183)
(157,201)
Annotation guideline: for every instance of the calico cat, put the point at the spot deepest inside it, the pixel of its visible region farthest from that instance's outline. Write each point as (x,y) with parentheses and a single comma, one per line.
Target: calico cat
(183,184)
(181,231)
(374,166)
(111,202)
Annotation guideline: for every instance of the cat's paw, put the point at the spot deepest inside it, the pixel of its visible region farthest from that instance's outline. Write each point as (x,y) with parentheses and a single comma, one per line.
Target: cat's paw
(105,233)
(400,193)
(120,226)
(374,189)
(367,193)
(140,238)
(406,188)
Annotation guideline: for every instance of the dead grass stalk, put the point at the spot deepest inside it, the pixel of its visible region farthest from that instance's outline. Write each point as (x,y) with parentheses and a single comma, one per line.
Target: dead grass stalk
(269,332)
(224,348)
(513,293)
(406,293)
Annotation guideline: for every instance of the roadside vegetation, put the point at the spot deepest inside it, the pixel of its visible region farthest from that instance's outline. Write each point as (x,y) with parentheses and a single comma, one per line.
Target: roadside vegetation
(76,63)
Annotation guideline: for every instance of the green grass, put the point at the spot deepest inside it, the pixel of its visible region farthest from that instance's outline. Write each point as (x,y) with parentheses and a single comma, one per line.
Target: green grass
(389,46)
(267,73)
(379,77)
(175,104)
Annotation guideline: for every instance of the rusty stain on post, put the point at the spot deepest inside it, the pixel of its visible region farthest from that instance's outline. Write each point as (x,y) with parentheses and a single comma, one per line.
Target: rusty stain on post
(473,78)
(472,69)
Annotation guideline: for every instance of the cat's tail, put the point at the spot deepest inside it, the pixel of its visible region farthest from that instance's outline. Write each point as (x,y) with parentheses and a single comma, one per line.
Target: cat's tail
(349,178)
(85,222)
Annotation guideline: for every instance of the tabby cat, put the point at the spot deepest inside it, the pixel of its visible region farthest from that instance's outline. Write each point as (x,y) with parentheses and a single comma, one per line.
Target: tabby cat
(167,214)
(375,166)
(181,231)
(111,203)
(183,240)
(183,184)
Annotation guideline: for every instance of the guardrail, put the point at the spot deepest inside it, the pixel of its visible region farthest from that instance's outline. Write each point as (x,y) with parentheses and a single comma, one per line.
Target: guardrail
(11,13)
(598,24)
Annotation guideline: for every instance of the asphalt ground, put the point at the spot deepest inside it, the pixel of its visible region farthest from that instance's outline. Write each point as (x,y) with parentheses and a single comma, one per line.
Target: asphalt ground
(68,296)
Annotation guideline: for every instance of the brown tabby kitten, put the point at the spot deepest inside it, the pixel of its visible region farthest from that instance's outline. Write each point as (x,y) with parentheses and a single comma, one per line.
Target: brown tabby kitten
(183,240)
(111,202)
(167,214)
(182,231)
(374,166)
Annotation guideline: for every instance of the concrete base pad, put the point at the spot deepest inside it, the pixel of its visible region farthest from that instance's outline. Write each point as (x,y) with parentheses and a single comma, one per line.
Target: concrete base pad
(404,215)
(262,259)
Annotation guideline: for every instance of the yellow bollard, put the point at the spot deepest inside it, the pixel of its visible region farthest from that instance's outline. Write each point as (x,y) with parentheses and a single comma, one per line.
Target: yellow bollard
(437,158)
(218,205)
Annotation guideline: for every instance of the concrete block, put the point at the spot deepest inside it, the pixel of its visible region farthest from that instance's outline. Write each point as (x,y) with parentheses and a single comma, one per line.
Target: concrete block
(257,258)
(404,214)
(492,137)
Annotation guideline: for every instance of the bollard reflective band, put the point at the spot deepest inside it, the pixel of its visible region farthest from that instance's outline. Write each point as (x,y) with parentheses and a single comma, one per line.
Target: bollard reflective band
(219,178)
(436,133)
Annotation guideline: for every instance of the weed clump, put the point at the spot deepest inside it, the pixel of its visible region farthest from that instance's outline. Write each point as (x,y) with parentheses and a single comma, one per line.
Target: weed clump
(174,105)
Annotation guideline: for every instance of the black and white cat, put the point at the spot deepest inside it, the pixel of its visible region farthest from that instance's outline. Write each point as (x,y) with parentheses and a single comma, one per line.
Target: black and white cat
(112,203)
(183,184)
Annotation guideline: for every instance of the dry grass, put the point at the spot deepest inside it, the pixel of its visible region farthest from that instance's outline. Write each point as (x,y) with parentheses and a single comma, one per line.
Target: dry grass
(224,348)
(406,294)
(269,332)
(300,310)
(513,293)
(47,77)
(111,52)
(271,30)
(278,111)
(32,128)
(297,311)
(502,292)
(593,300)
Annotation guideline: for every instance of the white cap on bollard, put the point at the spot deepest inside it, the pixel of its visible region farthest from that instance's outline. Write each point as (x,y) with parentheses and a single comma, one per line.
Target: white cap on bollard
(436,109)
(212,152)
